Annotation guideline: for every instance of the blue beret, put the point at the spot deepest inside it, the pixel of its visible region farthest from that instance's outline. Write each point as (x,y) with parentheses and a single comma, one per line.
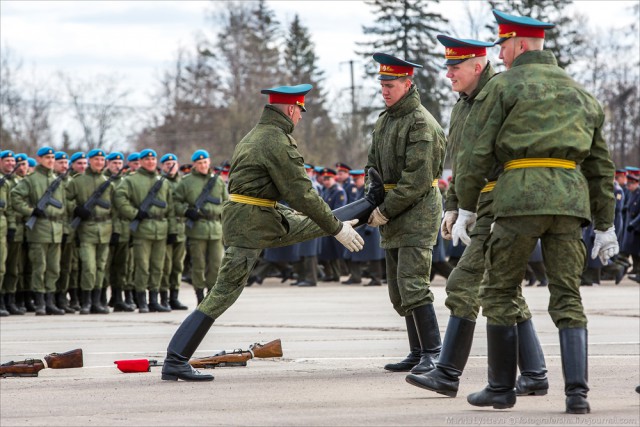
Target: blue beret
(392,68)
(32,162)
(133,157)
(167,157)
(356,172)
(116,155)
(96,152)
(199,155)
(21,157)
(78,155)
(6,153)
(43,151)
(60,155)
(147,152)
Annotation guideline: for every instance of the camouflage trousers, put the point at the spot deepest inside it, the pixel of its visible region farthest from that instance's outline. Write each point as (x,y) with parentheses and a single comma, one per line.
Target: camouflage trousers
(148,258)
(464,282)
(117,269)
(237,264)
(507,253)
(206,257)
(173,266)
(408,270)
(93,257)
(45,266)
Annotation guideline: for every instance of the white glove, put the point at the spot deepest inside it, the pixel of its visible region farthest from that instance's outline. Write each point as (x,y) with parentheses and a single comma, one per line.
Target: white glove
(465,222)
(376,218)
(349,237)
(605,245)
(448,220)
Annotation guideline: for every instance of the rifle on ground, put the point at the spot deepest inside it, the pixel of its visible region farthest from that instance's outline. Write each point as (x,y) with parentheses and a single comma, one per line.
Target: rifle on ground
(150,200)
(4,179)
(47,199)
(95,199)
(31,367)
(205,197)
(239,357)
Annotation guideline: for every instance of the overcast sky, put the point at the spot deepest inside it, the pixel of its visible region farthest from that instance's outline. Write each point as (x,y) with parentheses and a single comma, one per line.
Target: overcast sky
(139,39)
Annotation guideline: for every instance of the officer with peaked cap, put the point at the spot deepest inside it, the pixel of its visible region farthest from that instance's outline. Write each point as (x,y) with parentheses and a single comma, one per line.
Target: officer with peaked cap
(46,235)
(469,71)
(330,250)
(408,148)
(556,178)
(266,166)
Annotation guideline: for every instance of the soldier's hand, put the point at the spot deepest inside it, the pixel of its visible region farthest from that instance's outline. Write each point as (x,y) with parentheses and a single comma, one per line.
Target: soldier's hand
(605,245)
(172,238)
(11,234)
(376,219)
(465,222)
(39,213)
(142,215)
(82,212)
(115,239)
(192,214)
(448,220)
(349,238)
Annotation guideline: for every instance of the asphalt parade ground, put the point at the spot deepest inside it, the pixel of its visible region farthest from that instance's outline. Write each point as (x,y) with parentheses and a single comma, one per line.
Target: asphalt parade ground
(335,340)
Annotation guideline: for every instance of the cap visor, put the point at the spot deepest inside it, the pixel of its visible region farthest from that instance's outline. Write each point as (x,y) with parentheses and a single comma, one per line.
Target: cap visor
(501,40)
(454,61)
(383,77)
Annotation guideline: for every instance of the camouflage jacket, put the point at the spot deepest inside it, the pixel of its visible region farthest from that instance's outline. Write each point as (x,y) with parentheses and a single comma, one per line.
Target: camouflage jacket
(5,205)
(25,197)
(266,164)
(408,150)
(535,110)
(14,219)
(98,228)
(180,227)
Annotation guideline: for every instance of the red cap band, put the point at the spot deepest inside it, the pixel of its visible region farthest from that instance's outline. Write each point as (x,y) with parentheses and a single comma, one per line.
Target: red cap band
(465,52)
(280,98)
(395,70)
(506,31)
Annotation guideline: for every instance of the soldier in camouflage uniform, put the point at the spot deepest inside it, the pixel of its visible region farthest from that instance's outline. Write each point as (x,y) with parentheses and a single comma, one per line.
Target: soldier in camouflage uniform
(469,71)
(176,244)
(408,149)
(205,236)
(94,231)
(5,204)
(46,235)
(266,166)
(150,238)
(546,131)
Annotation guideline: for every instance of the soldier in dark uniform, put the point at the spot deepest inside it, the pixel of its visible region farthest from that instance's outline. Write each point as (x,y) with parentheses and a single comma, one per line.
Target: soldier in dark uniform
(408,149)
(330,250)
(266,166)
(344,178)
(556,178)
(631,238)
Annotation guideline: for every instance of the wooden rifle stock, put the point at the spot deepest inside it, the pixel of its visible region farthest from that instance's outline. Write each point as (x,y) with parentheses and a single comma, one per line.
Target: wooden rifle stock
(70,359)
(239,357)
(23,368)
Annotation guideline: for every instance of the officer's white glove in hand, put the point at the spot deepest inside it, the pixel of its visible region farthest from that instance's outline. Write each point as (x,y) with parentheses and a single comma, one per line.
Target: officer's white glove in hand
(349,237)
(465,222)
(448,220)
(605,245)
(376,219)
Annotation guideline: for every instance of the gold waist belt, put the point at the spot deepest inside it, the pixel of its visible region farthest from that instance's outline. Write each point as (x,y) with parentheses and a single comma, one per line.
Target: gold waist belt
(389,187)
(248,200)
(489,187)
(539,163)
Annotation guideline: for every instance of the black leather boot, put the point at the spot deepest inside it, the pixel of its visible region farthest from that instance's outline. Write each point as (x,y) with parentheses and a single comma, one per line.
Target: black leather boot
(533,370)
(199,295)
(30,303)
(103,297)
(11,306)
(96,303)
(85,297)
(445,379)
(413,358)
(502,355)
(164,299)
(174,302)
(39,304)
(118,304)
(63,303)
(20,296)
(429,335)
(50,305)
(75,299)
(573,349)
(3,308)
(361,209)
(141,298)
(153,303)
(128,300)
(184,343)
